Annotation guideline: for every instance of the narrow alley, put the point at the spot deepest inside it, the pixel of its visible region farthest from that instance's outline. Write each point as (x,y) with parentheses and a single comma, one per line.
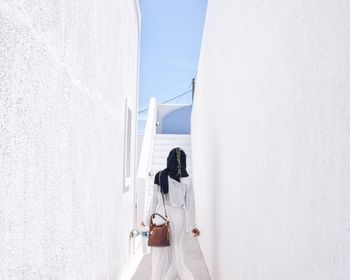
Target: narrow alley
(95,97)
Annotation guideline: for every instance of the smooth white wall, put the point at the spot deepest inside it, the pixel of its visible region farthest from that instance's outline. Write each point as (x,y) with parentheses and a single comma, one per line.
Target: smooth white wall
(270,140)
(174,118)
(66,68)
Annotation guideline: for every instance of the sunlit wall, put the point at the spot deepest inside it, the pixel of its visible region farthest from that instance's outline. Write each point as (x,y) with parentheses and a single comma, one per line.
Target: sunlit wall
(66,68)
(270,140)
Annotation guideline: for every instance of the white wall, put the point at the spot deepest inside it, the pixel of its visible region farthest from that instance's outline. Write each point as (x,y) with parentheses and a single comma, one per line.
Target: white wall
(65,70)
(271,134)
(174,118)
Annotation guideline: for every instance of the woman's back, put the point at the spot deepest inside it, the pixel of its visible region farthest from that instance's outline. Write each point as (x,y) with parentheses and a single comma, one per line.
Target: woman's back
(176,195)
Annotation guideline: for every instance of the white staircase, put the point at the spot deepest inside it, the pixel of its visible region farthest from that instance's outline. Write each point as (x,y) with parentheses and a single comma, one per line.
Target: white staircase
(164,143)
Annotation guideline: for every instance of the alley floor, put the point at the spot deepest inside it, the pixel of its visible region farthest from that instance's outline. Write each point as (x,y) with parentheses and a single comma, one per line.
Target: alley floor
(193,258)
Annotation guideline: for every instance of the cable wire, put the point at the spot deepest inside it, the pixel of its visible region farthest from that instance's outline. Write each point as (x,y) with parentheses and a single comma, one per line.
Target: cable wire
(171,99)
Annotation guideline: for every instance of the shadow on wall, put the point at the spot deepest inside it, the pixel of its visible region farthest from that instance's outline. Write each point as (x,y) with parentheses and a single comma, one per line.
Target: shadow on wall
(177,121)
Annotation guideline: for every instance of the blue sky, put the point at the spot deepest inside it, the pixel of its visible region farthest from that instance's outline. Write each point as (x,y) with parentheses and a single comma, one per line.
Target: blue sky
(171,34)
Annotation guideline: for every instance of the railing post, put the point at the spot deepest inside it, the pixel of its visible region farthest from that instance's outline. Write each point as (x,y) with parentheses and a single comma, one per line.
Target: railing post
(193,87)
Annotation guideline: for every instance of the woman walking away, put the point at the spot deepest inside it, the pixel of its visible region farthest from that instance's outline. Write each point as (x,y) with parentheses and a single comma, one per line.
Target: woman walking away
(175,185)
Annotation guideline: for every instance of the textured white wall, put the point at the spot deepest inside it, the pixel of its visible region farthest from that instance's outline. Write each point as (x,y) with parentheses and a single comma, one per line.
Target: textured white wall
(271,134)
(65,70)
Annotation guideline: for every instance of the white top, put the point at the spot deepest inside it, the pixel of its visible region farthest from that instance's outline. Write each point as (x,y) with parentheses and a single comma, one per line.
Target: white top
(180,195)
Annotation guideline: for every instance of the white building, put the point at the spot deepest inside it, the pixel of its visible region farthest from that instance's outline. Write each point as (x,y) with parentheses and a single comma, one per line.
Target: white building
(270,140)
(68,106)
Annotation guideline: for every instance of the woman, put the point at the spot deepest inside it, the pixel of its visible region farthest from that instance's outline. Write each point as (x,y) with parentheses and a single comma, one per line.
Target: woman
(176,186)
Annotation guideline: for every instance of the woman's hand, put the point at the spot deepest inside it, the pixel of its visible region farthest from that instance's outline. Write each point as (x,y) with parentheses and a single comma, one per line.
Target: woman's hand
(196,232)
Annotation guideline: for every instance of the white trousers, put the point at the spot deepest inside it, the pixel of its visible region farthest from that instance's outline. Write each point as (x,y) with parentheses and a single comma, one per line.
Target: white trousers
(168,262)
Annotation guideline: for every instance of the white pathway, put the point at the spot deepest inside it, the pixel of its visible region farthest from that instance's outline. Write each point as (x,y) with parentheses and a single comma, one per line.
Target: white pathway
(193,258)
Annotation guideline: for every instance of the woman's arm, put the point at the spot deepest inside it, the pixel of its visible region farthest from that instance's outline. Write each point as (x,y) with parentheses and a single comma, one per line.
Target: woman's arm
(190,209)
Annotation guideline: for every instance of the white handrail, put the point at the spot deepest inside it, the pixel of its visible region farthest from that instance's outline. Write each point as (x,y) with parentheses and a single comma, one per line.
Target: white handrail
(145,160)
(148,140)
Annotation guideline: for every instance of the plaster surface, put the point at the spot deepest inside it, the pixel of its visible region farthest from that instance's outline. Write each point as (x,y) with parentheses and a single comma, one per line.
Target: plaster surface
(270,140)
(177,121)
(66,68)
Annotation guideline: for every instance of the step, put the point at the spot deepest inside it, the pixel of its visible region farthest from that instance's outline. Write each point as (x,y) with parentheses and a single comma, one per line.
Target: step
(166,140)
(167,149)
(156,167)
(163,161)
(163,164)
(171,144)
(165,153)
(189,171)
(173,136)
